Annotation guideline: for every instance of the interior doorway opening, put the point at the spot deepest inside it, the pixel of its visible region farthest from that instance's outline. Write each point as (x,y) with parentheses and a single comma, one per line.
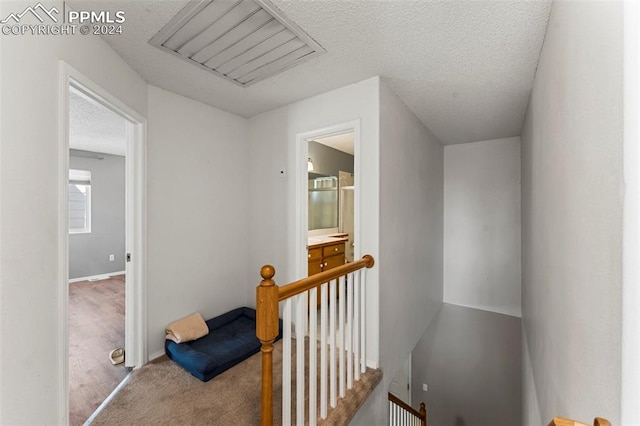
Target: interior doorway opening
(97,254)
(327,178)
(330,203)
(87,202)
(327,182)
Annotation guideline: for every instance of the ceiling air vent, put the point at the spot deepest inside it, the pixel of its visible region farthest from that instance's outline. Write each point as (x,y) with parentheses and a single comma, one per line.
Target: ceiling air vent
(243,41)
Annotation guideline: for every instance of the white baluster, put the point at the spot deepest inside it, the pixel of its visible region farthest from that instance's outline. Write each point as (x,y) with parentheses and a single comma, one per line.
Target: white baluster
(395,414)
(356,324)
(341,306)
(332,338)
(286,363)
(324,303)
(363,322)
(313,354)
(349,334)
(301,305)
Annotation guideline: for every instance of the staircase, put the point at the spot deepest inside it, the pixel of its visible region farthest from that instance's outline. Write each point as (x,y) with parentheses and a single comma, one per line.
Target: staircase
(402,414)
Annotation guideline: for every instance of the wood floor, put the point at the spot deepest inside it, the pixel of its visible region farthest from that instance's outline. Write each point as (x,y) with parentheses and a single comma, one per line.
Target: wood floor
(96,326)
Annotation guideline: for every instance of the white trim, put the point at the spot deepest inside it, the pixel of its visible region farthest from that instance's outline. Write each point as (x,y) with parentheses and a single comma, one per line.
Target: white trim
(135,305)
(136,211)
(63,244)
(156,354)
(486,309)
(97,277)
(371,363)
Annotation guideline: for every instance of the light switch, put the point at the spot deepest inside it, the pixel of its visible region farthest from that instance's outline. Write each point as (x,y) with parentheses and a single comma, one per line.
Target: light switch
(112,257)
(425,387)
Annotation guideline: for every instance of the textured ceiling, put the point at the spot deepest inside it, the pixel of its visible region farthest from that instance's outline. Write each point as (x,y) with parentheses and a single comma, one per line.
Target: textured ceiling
(94,128)
(464,67)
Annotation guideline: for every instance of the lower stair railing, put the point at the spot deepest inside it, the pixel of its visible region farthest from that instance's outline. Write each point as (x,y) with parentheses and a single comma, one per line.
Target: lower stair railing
(338,338)
(561,421)
(402,414)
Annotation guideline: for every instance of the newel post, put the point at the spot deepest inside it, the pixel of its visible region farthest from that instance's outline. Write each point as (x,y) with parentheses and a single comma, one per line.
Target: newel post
(267,329)
(423,414)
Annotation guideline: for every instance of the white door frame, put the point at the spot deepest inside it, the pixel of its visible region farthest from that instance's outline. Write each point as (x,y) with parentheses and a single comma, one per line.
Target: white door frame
(135,201)
(302,191)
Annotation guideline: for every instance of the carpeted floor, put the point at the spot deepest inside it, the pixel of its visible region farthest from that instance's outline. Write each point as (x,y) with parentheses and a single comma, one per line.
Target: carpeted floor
(96,326)
(162,393)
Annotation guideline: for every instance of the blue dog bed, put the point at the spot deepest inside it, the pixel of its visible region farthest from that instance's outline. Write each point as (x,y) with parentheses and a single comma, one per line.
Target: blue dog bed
(231,340)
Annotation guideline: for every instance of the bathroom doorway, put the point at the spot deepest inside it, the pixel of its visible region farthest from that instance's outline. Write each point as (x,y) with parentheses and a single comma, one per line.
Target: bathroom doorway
(327,200)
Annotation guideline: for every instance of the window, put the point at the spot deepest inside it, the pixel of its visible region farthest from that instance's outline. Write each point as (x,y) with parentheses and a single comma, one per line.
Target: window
(79,201)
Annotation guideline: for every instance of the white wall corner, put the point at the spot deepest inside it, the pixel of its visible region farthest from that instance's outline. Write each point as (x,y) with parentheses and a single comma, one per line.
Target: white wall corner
(630,409)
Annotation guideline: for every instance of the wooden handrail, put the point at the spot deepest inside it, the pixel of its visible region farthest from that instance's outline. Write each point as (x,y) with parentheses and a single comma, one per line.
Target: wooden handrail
(561,421)
(268,295)
(421,414)
(308,283)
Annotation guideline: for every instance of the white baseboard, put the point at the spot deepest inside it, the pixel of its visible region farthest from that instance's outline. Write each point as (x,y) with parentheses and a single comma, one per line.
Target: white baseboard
(96,277)
(486,309)
(156,354)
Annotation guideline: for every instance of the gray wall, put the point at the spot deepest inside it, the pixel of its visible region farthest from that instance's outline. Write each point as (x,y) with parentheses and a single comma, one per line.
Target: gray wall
(30,284)
(482,225)
(411,230)
(471,361)
(572,190)
(89,253)
(272,198)
(329,161)
(198,202)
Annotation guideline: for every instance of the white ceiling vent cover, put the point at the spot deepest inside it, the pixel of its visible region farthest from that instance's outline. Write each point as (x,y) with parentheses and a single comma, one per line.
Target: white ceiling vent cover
(244,41)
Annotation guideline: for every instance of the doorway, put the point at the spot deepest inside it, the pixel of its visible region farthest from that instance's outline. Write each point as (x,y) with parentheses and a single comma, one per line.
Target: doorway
(400,385)
(124,258)
(310,258)
(97,276)
(327,201)
(330,204)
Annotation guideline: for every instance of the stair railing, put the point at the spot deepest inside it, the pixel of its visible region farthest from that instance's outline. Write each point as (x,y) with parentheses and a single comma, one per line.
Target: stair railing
(341,343)
(561,421)
(402,414)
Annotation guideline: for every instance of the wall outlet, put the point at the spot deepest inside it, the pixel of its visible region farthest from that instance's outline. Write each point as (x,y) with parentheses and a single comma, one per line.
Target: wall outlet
(112,257)
(425,387)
